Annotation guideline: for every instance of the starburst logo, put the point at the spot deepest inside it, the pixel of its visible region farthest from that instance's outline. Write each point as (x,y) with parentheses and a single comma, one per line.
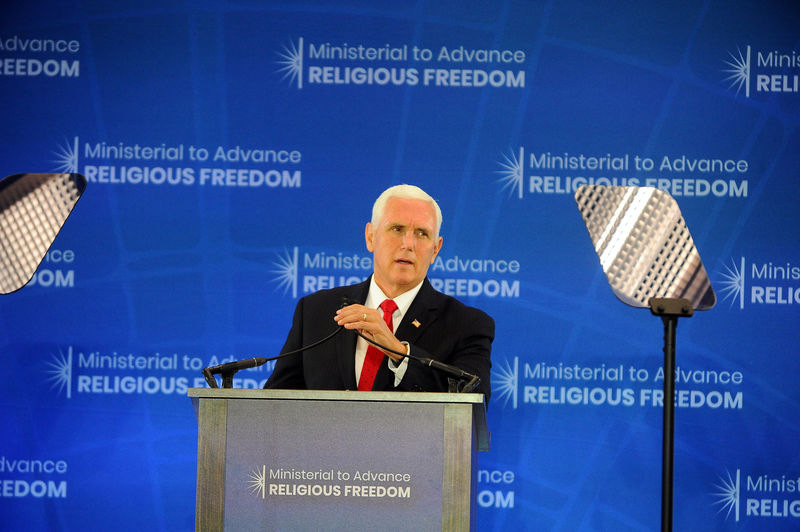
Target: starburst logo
(291,63)
(728,494)
(67,157)
(60,372)
(505,379)
(287,274)
(512,172)
(739,71)
(733,283)
(258,481)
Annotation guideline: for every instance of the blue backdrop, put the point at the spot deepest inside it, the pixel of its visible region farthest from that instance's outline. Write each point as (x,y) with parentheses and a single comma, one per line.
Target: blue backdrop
(233,149)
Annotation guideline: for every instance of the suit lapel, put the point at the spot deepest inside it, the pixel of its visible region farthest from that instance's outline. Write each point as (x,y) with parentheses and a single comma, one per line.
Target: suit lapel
(346,340)
(420,315)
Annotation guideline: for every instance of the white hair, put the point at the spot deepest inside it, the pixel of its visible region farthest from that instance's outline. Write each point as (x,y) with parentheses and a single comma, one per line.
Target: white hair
(404,192)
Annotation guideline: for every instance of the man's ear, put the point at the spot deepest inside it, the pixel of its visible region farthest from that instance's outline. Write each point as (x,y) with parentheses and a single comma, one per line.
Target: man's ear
(437,249)
(368,235)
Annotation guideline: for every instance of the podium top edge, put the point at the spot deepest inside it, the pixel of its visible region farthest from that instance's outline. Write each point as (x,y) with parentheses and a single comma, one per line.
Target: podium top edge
(336,395)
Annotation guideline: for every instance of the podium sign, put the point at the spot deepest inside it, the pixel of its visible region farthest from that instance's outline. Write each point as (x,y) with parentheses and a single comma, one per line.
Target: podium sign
(323,460)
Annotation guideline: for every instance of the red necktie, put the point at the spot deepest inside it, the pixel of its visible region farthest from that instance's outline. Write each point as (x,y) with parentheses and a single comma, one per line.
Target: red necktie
(374,355)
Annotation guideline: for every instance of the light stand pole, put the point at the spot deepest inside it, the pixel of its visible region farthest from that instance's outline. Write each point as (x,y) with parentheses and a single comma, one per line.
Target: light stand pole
(669,310)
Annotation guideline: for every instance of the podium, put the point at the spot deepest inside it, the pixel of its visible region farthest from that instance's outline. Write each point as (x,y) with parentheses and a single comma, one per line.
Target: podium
(337,460)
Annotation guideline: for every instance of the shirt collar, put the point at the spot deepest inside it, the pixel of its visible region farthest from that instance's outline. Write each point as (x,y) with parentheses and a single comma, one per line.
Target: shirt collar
(376,296)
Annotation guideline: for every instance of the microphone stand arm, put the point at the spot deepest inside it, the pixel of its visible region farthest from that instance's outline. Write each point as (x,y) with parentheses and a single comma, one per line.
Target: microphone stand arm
(472,381)
(227,375)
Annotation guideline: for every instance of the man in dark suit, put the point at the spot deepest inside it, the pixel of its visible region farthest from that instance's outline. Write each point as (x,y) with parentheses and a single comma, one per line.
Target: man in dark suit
(396,307)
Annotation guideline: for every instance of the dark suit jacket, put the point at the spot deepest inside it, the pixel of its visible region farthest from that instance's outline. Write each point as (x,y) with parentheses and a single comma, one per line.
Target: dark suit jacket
(448,331)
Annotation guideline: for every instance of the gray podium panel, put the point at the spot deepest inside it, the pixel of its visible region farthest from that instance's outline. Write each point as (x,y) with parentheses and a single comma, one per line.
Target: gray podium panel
(301,460)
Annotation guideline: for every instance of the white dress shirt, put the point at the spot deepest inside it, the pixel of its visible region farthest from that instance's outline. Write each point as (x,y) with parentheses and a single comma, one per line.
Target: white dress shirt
(374,299)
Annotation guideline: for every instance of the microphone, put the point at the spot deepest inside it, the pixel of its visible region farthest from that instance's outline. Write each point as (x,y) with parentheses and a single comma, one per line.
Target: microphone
(236,365)
(228,369)
(472,380)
